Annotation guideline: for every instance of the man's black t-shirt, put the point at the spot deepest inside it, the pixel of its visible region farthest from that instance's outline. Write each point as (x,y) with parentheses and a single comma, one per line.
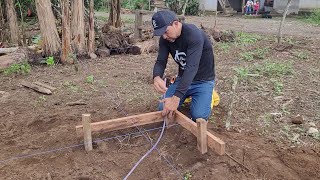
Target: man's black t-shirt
(193,52)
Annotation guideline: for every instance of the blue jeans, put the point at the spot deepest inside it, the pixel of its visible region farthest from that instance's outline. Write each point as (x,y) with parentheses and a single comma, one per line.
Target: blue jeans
(201,93)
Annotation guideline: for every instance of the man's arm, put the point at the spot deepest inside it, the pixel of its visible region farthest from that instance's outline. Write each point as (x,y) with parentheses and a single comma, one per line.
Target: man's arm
(193,56)
(160,66)
(162,59)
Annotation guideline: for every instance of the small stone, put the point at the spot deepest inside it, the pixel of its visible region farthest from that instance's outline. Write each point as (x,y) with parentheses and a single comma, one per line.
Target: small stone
(312,124)
(297,120)
(11,112)
(103,52)
(312,130)
(93,56)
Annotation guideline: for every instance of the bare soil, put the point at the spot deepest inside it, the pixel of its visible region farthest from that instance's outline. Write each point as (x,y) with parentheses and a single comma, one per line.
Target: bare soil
(280,85)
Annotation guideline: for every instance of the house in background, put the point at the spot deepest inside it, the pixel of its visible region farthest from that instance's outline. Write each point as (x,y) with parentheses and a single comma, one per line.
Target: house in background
(234,6)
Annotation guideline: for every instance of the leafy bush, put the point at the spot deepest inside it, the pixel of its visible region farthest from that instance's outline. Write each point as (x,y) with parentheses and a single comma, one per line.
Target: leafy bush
(192,8)
(314,18)
(135,4)
(20,68)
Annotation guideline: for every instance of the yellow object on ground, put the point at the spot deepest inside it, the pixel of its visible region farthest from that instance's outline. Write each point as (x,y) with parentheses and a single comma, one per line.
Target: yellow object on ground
(215,99)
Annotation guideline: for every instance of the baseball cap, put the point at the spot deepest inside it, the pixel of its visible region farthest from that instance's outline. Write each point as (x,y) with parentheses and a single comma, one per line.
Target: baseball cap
(161,20)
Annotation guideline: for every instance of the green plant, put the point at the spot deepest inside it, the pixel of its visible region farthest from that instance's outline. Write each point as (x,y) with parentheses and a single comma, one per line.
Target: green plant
(187,176)
(301,54)
(275,69)
(90,79)
(314,18)
(246,56)
(242,73)
(20,68)
(42,98)
(224,46)
(261,52)
(247,38)
(50,61)
(277,86)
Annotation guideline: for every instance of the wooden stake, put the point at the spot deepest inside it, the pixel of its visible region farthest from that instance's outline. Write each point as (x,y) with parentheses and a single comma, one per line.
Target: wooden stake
(214,142)
(202,136)
(87,132)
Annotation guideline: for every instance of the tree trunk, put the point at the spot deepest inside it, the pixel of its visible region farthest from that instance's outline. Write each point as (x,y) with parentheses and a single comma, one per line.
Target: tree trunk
(91,40)
(184,7)
(13,22)
(1,23)
(66,34)
(114,15)
(50,40)
(282,21)
(77,27)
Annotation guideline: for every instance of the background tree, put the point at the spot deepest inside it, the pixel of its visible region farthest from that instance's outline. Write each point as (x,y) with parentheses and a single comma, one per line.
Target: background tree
(279,37)
(78,27)
(91,39)
(66,34)
(2,22)
(13,22)
(114,15)
(50,37)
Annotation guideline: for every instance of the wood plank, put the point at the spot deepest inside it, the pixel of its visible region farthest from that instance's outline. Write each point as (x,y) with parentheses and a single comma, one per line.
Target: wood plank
(214,142)
(36,87)
(123,123)
(87,132)
(45,86)
(202,135)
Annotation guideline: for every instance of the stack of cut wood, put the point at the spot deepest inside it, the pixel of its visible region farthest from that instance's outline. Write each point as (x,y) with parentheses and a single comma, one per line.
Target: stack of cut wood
(116,41)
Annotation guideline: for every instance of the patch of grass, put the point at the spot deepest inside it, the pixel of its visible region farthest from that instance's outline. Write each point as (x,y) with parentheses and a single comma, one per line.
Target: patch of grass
(90,79)
(242,73)
(247,38)
(301,55)
(261,52)
(275,69)
(127,20)
(102,18)
(224,46)
(20,68)
(246,56)
(277,86)
(314,18)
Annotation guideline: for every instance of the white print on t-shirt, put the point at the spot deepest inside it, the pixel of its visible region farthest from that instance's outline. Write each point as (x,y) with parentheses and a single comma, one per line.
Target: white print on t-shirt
(180,57)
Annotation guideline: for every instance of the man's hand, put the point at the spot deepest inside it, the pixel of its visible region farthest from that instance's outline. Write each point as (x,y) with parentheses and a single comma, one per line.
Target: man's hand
(159,85)
(170,106)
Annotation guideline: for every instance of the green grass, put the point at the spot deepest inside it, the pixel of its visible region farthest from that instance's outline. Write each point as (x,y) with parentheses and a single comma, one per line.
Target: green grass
(260,53)
(19,68)
(314,18)
(242,73)
(90,79)
(246,56)
(247,38)
(274,69)
(224,46)
(301,55)
(277,86)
